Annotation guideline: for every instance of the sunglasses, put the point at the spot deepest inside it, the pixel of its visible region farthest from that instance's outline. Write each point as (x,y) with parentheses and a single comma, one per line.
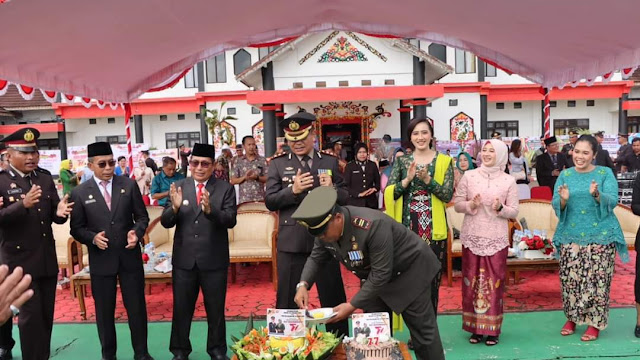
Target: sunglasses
(103,164)
(196,163)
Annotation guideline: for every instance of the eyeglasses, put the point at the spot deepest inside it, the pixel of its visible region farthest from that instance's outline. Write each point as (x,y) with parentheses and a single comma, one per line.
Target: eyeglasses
(196,163)
(103,164)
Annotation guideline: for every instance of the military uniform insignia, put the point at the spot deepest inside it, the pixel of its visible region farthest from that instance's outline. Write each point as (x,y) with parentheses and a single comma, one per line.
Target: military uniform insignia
(185,202)
(29,136)
(13,185)
(90,196)
(288,168)
(293,125)
(11,199)
(285,179)
(361,223)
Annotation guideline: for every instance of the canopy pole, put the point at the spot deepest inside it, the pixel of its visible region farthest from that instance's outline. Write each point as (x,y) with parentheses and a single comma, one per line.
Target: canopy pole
(127,115)
(547,114)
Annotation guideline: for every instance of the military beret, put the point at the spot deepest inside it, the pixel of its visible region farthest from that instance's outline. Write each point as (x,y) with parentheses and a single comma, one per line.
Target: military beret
(23,140)
(297,126)
(317,208)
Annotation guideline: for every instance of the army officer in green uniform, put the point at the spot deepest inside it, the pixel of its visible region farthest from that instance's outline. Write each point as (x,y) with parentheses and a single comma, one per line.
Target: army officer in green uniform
(395,263)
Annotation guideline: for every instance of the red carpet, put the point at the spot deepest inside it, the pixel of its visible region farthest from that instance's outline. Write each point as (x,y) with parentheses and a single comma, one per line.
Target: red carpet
(253,292)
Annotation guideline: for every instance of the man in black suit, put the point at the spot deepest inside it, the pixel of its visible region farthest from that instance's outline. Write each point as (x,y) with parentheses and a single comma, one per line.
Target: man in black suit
(549,164)
(603,158)
(30,205)
(202,208)
(291,176)
(110,218)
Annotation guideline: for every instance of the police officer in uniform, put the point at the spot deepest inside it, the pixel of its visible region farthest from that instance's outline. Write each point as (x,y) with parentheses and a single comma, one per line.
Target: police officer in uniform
(567,149)
(6,330)
(396,264)
(31,204)
(291,176)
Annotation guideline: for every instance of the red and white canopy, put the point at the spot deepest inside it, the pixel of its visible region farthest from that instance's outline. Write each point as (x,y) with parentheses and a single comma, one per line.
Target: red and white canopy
(118,49)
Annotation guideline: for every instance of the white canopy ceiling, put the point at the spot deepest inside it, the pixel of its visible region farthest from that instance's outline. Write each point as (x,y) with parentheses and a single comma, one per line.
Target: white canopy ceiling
(115,50)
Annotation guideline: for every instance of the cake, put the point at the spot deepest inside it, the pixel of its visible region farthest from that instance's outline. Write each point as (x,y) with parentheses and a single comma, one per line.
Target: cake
(361,348)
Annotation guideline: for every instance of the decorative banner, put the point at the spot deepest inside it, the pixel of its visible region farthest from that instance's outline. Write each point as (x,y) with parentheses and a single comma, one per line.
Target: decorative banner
(225,134)
(342,51)
(461,127)
(257,131)
(286,322)
(50,160)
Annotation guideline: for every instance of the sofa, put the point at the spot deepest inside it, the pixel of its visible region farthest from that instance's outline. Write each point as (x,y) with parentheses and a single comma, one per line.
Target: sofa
(253,239)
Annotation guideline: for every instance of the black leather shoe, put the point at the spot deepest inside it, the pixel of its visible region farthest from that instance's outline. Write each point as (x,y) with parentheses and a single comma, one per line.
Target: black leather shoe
(636,332)
(6,354)
(143,357)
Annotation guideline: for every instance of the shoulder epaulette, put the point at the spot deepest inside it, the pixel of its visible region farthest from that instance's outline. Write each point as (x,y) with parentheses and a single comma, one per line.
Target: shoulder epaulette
(44,171)
(322,153)
(361,222)
(279,155)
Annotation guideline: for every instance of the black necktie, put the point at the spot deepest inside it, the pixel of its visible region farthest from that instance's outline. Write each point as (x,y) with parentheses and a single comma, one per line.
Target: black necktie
(305,164)
(28,179)
(554,159)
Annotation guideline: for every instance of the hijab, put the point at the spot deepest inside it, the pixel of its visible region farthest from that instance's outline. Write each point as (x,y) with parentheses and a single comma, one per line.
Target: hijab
(65,165)
(502,155)
(471,165)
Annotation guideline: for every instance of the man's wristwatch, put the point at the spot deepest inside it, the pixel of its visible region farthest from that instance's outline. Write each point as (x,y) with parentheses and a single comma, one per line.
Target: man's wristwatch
(301,284)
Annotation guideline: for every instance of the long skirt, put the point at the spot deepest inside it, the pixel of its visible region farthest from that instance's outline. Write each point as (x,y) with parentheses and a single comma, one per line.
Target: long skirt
(585,282)
(483,281)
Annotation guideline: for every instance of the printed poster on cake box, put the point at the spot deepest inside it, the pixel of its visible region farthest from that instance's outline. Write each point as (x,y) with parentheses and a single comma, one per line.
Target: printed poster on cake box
(372,325)
(286,322)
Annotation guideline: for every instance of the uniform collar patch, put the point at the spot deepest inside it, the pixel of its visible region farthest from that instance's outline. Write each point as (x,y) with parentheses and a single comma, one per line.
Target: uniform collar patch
(361,222)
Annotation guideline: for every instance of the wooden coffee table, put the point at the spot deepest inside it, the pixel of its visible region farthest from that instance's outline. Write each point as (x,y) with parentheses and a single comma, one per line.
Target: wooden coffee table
(515,265)
(83,278)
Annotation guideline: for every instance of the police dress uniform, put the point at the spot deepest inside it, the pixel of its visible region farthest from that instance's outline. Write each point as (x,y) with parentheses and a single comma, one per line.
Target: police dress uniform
(359,176)
(396,264)
(6,329)
(27,241)
(294,242)
(116,214)
(200,259)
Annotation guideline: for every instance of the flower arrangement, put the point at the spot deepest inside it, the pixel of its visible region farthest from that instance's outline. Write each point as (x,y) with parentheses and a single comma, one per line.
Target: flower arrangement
(532,244)
(536,242)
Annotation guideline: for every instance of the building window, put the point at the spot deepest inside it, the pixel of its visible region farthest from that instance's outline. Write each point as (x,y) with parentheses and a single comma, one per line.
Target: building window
(489,70)
(92,121)
(465,62)
(180,116)
(198,116)
(163,117)
(517,105)
(191,78)
(453,102)
(231,111)
(366,82)
(343,83)
(591,103)
(562,127)
(111,120)
(553,103)
(255,110)
(499,106)
(297,85)
(173,140)
(571,103)
(48,144)
(506,128)
(112,139)
(389,82)
(217,69)
(633,124)
(264,51)
(321,84)
(438,51)
(241,61)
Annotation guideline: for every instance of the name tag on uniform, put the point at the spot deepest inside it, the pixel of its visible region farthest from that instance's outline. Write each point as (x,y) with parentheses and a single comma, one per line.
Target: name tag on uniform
(356,171)
(90,201)
(14,191)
